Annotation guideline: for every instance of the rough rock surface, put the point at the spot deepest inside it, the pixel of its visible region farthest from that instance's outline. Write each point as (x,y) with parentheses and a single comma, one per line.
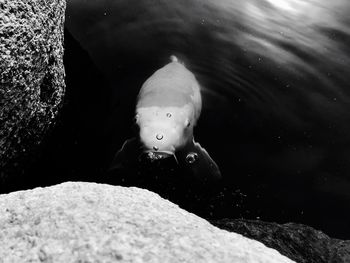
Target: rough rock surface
(31,72)
(298,242)
(73,149)
(88,222)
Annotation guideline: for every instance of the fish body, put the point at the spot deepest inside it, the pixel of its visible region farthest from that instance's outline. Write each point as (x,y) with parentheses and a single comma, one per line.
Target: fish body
(168,107)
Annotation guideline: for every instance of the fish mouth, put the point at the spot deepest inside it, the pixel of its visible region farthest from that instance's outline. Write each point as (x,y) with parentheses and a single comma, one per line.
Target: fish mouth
(157,155)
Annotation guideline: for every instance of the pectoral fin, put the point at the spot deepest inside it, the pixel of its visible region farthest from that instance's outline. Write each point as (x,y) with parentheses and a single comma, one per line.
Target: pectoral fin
(197,160)
(121,169)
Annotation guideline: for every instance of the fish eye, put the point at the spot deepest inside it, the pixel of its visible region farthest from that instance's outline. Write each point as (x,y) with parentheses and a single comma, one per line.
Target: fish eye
(168,114)
(187,123)
(136,117)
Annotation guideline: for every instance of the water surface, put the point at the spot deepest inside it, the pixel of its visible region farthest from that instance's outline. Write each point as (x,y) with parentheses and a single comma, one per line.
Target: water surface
(275,81)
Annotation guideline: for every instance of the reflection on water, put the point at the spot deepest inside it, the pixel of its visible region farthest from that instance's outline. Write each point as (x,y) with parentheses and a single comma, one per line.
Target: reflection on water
(275,77)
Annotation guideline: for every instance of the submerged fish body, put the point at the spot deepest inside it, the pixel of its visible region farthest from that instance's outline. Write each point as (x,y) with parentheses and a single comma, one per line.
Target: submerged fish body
(167,109)
(168,106)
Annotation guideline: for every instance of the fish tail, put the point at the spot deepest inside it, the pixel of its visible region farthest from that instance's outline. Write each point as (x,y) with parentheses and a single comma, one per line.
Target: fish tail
(173,58)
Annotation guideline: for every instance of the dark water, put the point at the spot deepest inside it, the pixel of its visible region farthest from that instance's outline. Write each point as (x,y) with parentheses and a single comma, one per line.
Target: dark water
(276,97)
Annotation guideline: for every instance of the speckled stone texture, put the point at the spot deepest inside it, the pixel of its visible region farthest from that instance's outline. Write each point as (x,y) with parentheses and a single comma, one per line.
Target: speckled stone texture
(31,72)
(88,222)
(296,241)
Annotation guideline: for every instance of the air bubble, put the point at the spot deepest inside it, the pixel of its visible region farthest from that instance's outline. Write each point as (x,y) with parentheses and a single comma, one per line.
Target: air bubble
(191,157)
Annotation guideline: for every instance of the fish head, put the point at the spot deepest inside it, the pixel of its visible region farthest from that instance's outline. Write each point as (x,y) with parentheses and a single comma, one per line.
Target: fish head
(164,130)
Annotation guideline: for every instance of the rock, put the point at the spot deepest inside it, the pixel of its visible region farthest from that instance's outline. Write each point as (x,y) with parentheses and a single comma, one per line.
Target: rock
(31,73)
(298,242)
(88,222)
(73,149)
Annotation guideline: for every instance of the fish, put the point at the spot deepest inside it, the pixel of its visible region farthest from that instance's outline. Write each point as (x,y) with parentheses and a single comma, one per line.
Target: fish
(168,107)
